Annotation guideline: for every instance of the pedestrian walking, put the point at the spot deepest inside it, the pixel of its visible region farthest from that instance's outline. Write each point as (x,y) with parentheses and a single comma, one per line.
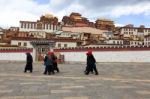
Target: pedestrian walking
(29,61)
(91,63)
(46,68)
(49,64)
(55,65)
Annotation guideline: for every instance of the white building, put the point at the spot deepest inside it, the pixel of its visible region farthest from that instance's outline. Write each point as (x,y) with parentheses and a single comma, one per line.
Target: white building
(114,42)
(134,33)
(147,40)
(40,46)
(26,26)
(66,42)
(68,34)
(37,34)
(1,33)
(136,43)
(47,23)
(21,42)
(108,35)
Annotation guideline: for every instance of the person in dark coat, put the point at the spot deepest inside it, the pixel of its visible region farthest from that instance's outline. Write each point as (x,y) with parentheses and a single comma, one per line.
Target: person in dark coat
(29,61)
(49,64)
(91,63)
(55,65)
(91,69)
(45,59)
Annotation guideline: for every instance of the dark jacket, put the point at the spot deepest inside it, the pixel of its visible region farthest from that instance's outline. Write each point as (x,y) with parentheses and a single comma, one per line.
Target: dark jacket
(54,58)
(29,58)
(91,60)
(48,61)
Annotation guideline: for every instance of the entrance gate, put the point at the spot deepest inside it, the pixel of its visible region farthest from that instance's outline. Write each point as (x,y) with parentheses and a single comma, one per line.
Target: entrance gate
(41,48)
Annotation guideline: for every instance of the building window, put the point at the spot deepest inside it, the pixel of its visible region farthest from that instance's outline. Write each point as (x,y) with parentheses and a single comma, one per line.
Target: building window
(19,43)
(113,42)
(21,25)
(59,45)
(65,45)
(25,44)
(43,50)
(117,42)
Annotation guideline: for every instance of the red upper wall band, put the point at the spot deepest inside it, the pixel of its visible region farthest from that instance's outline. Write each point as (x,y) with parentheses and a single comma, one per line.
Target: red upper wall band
(15,51)
(103,49)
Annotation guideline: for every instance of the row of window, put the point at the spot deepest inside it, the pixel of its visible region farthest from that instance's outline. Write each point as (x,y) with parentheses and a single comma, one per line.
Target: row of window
(147,43)
(117,42)
(62,45)
(24,44)
(121,42)
(145,30)
(130,29)
(147,39)
(34,26)
(135,43)
(131,33)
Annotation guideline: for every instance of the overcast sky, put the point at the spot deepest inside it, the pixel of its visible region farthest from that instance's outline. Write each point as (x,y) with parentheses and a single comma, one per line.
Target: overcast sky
(121,11)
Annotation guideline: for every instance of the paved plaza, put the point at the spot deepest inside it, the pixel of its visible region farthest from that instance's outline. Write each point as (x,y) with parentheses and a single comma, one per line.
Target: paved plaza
(115,81)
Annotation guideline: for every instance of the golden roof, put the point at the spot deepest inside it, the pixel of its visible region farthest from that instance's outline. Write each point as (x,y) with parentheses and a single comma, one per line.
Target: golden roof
(48,15)
(103,19)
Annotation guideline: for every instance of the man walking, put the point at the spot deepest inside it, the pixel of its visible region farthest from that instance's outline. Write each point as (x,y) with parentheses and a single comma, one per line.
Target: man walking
(29,61)
(91,63)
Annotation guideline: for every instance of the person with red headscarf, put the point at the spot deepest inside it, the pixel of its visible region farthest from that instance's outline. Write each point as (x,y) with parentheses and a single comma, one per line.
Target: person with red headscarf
(91,63)
(55,65)
(49,64)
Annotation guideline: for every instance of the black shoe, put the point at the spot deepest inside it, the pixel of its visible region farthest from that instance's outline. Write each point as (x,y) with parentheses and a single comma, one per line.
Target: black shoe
(96,73)
(86,73)
(49,73)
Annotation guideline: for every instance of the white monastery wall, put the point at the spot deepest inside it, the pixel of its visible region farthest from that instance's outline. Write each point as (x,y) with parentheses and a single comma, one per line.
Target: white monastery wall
(109,56)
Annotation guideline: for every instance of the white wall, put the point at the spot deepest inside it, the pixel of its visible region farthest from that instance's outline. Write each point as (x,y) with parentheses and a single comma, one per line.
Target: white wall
(12,57)
(15,56)
(109,56)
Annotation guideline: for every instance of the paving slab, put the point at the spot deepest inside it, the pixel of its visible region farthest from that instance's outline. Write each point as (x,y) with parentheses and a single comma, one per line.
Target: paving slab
(115,81)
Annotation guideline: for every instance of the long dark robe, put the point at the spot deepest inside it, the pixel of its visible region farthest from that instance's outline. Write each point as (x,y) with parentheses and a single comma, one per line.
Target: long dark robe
(29,62)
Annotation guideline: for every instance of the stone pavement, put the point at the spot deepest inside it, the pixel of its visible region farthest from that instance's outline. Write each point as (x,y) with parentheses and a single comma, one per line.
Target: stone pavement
(115,81)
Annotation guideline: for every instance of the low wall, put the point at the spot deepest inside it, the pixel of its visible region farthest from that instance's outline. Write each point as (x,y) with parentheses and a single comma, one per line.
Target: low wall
(124,54)
(13,54)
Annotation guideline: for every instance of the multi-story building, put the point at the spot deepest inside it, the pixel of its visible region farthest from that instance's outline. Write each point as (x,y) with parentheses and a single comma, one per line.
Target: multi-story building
(108,35)
(134,33)
(105,24)
(114,42)
(1,33)
(68,34)
(9,33)
(76,20)
(136,43)
(47,23)
(88,34)
(147,40)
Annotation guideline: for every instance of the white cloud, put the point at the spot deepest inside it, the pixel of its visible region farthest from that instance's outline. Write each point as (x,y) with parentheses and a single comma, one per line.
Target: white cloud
(130,10)
(119,25)
(12,11)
